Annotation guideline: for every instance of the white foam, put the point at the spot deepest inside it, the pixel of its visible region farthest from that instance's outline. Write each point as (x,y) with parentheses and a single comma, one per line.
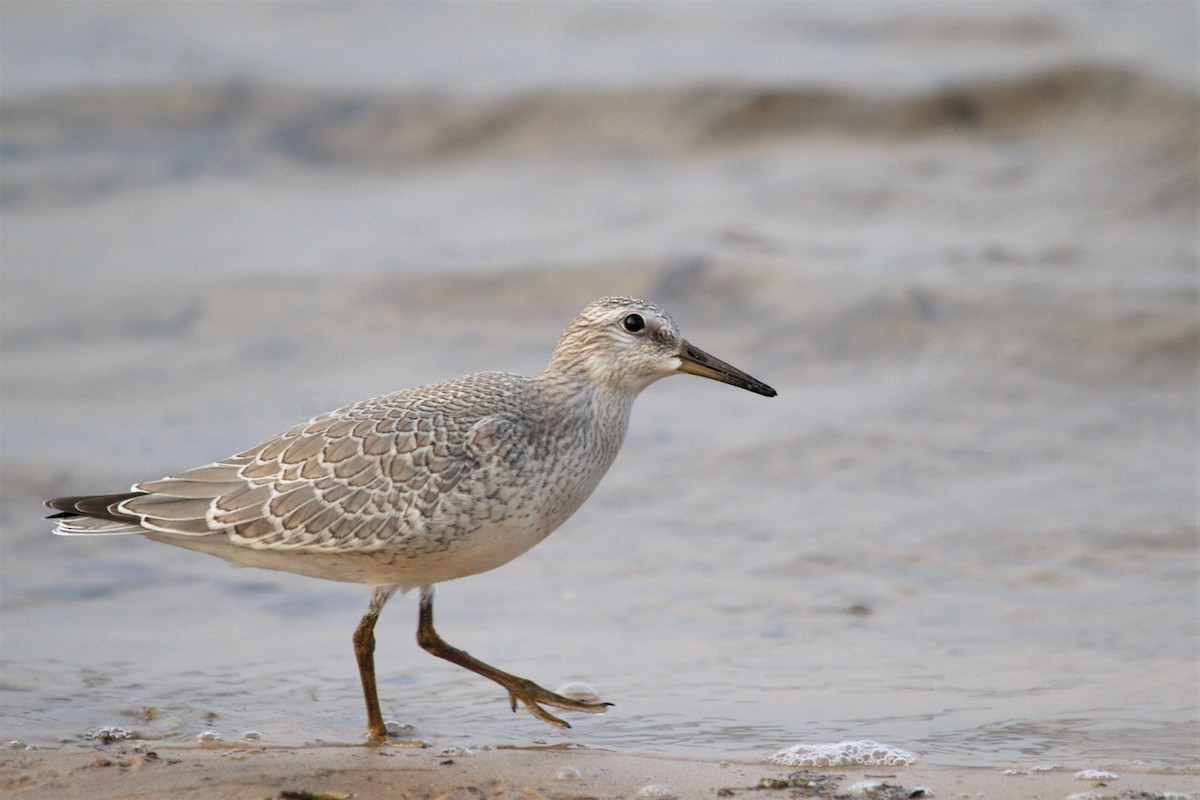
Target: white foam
(111,733)
(865,753)
(578,690)
(1096,775)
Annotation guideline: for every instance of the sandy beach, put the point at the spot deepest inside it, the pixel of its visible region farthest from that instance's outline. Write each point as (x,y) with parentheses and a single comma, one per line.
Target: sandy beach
(961,242)
(388,773)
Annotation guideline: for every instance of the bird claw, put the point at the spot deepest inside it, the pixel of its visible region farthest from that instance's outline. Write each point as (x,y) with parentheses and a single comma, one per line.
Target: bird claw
(531,696)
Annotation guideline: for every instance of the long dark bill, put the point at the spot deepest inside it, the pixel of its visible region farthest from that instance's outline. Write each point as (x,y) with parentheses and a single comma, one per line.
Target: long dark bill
(695,361)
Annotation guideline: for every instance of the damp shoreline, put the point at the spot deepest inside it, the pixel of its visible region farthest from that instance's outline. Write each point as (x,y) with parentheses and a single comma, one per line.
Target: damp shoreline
(367,773)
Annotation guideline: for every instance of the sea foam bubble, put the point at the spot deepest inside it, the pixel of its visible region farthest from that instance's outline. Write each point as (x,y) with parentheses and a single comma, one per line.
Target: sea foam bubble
(864,753)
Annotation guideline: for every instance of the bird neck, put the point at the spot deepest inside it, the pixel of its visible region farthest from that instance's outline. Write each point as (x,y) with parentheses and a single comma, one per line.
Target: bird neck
(582,400)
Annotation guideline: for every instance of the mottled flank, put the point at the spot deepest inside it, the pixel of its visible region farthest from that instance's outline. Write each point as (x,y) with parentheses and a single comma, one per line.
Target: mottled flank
(427,484)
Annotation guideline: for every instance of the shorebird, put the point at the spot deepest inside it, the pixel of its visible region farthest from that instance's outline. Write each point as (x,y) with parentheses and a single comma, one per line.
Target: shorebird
(424,485)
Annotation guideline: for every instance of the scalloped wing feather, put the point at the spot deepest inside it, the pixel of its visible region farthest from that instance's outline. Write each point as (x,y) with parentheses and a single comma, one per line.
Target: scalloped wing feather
(362,478)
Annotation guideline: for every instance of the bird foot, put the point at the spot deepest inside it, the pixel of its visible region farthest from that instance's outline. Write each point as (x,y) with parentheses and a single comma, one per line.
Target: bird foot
(533,697)
(373,738)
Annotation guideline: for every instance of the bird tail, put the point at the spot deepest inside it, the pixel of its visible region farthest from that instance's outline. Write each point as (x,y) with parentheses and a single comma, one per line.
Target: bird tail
(93,515)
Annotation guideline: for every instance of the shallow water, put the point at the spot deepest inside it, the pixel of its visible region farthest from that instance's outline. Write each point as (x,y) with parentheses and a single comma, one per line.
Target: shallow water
(961,246)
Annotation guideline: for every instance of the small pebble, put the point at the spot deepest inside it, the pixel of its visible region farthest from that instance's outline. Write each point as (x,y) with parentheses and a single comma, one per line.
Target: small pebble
(864,788)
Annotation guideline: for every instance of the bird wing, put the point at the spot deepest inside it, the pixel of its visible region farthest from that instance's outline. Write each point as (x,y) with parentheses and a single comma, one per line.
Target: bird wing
(362,478)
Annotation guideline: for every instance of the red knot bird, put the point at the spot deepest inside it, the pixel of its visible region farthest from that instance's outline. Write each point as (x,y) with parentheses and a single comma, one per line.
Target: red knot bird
(424,485)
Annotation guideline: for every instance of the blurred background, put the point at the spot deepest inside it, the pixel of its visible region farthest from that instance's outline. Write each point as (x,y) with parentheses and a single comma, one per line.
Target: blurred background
(959,239)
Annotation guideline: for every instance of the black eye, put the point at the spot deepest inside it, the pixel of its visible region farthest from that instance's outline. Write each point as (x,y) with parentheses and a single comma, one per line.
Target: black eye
(634,323)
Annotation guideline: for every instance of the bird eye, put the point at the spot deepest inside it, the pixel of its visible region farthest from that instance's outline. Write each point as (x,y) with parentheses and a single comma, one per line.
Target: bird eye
(634,323)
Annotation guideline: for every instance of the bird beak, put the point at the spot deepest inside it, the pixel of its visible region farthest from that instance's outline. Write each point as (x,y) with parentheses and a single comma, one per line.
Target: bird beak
(695,361)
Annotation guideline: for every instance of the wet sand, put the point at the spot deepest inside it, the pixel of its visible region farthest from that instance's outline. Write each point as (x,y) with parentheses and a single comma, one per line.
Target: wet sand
(962,246)
(336,773)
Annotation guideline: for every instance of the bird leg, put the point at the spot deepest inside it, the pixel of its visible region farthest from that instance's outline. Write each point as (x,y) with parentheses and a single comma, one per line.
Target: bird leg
(364,652)
(526,691)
